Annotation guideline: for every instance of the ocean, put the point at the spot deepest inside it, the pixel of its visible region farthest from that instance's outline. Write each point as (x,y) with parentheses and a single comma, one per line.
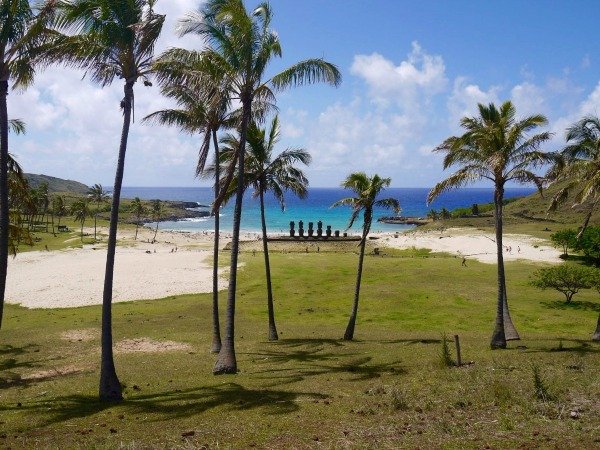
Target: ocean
(317,206)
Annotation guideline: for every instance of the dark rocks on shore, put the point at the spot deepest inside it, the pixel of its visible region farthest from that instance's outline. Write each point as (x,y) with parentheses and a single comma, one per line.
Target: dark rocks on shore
(404,220)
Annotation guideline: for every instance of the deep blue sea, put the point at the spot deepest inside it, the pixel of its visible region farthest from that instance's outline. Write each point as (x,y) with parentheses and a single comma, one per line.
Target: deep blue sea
(317,206)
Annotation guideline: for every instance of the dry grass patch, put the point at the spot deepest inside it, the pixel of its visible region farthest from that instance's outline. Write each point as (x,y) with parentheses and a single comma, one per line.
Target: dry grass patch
(147,345)
(86,334)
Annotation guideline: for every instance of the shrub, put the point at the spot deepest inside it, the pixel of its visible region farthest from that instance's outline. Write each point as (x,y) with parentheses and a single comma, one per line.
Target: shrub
(566,239)
(566,278)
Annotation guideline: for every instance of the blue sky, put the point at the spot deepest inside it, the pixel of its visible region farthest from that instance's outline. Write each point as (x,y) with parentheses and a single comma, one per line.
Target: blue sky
(410,70)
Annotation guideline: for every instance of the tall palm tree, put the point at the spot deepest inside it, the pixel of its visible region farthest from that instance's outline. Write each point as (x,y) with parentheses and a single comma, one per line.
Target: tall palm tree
(578,164)
(242,45)
(268,173)
(367,190)
(98,195)
(157,209)
(138,209)
(22,33)
(81,211)
(58,207)
(110,39)
(203,107)
(498,148)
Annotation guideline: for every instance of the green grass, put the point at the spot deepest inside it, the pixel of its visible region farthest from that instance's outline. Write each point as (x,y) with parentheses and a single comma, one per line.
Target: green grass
(310,389)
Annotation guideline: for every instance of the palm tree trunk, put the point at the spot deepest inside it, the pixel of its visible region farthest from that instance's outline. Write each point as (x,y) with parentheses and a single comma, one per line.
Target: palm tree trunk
(499,336)
(4,220)
(349,334)
(272,328)
(137,225)
(155,230)
(226,362)
(53,232)
(110,387)
(510,332)
(81,234)
(216,339)
(596,336)
(586,221)
(95,221)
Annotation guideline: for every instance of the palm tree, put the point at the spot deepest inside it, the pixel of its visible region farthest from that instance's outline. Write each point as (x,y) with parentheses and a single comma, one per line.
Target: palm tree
(21,35)
(110,39)
(579,165)
(81,211)
(367,190)
(157,209)
(98,195)
(266,173)
(58,207)
(498,148)
(242,45)
(201,95)
(138,209)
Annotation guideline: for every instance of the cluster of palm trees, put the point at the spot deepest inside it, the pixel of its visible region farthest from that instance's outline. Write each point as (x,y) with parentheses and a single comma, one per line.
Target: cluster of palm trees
(499,148)
(110,40)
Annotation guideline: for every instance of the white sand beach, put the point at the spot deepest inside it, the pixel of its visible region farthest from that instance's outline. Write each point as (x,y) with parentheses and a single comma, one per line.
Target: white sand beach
(475,244)
(74,277)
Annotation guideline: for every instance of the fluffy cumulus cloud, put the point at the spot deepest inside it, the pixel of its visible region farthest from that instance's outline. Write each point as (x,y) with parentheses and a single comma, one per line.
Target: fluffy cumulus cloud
(420,76)
(464,99)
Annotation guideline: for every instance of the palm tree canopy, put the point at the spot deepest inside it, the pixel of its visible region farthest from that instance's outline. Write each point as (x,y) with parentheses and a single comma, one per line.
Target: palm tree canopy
(240,46)
(97,194)
(578,163)
(22,35)
(80,209)
(495,147)
(367,190)
(137,207)
(107,38)
(263,171)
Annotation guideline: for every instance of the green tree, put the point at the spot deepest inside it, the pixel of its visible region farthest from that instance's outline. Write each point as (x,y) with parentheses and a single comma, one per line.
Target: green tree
(157,210)
(109,39)
(367,190)
(566,278)
(58,207)
(138,209)
(22,33)
(578,164)
(266,173)
(498,148)
(242,44)
(445,214)
(80,209)
(98,195)
(565,239)
(433,214)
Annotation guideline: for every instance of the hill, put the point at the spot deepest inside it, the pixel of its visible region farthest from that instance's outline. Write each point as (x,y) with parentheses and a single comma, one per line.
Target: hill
(56,184)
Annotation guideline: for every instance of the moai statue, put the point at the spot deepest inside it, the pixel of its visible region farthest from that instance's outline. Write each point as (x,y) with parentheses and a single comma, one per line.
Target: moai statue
(345,234)
(319,228)
(337,233)
(310,229)
(292,230)
(301,229)
(328,232)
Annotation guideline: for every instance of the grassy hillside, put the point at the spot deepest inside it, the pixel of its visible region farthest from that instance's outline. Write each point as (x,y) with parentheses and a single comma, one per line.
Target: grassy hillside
(56,184)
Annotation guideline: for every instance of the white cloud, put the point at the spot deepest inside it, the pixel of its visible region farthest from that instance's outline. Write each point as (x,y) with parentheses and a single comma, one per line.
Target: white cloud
(528,99)
(464,99)
(419,75)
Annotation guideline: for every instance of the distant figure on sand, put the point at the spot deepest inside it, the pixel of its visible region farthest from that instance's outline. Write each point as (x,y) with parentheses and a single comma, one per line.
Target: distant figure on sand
(464,261)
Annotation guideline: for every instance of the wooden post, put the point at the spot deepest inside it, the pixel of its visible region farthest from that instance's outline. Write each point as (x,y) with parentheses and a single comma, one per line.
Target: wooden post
(458,359)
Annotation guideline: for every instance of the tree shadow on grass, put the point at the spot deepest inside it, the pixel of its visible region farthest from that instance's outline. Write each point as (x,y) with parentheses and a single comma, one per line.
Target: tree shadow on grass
(581,347)
(573,305)
(411,341)
(172,404)
(11,367)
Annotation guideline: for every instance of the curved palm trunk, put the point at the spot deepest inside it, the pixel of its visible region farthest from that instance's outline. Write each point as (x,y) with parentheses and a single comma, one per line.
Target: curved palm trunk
(4,220)
(156,229)
(499,336)
(216,339)
(110,387)
(510,332)
(349,334)
(586,221)
(596,336)
(226,362)
(272,328)
(81,234)
(137,226)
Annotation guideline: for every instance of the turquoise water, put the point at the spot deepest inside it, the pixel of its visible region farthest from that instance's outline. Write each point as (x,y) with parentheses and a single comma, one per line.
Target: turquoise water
(317,206)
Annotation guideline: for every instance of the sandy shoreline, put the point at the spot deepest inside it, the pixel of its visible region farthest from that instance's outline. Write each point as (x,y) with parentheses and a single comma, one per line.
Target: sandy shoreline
(180,263)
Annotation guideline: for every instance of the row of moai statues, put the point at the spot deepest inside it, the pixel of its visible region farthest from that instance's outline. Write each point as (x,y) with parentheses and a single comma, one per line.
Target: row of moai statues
(311,230)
